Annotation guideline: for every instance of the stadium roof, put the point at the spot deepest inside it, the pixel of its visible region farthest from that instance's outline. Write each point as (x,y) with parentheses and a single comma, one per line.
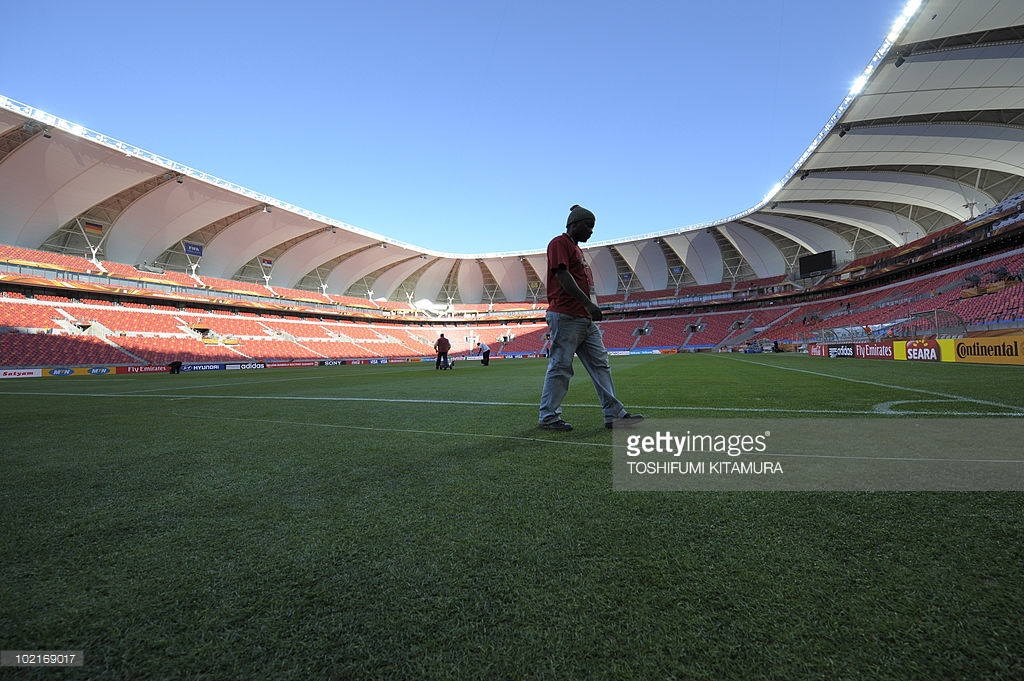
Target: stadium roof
(932,134)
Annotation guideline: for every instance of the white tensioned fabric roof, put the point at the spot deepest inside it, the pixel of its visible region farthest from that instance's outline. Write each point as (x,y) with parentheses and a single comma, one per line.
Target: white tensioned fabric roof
(934,137)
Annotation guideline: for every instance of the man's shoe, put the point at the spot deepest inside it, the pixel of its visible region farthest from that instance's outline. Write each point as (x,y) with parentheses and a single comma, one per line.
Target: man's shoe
(626,421)
(556,425)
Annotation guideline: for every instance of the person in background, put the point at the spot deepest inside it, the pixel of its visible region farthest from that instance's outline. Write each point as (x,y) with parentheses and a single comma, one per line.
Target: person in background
(442,345)
(485,353)
(571,316)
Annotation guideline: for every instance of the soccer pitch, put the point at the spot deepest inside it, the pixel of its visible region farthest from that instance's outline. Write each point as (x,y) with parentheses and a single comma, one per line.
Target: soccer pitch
(401,522)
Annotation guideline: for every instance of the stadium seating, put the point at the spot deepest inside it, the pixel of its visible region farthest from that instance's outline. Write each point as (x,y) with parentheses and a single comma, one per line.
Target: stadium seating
(49,350)
(17,313)
(47,260)
(90,324)
(526,339)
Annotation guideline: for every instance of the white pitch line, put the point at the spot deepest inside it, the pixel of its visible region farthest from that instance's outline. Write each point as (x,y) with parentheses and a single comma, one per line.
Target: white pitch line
(444,433)
(887,407)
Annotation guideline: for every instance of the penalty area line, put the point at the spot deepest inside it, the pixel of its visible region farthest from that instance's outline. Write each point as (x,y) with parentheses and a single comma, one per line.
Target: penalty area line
(409,431)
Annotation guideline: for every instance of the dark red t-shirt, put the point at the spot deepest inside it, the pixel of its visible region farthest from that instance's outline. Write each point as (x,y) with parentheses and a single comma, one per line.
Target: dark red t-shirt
(564,252)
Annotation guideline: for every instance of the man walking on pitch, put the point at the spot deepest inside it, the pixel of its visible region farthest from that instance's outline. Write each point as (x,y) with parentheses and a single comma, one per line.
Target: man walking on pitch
(571,318)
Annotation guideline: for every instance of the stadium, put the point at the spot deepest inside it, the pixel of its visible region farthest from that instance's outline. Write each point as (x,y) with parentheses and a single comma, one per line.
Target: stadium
(307,498)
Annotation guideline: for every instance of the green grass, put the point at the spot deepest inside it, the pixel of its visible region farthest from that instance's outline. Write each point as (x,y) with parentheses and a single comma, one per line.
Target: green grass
(203,526)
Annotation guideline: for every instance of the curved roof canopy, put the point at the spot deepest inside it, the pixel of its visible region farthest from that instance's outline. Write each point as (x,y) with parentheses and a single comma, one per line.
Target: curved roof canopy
(932,134)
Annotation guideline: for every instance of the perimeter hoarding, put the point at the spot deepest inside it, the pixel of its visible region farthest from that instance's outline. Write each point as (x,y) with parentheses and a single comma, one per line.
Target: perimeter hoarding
(997,350)
(926,350)
(21,373)
(60,372)
(156,369)
(994,350)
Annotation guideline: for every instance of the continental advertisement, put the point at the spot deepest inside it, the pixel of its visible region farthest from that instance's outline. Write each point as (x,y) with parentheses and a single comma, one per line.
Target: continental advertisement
(993,350)
(998,350)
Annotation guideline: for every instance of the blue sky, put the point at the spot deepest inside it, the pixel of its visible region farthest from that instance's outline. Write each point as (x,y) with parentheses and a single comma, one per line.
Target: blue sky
(459,126)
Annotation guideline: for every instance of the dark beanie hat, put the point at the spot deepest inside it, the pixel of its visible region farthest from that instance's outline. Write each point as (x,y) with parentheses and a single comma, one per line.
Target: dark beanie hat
(578,214)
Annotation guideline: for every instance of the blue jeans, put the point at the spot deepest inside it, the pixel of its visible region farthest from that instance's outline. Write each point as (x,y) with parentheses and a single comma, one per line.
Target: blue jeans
(578,336)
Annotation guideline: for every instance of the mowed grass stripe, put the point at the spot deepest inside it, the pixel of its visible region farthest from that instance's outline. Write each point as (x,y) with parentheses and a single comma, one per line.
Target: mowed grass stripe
(881,410)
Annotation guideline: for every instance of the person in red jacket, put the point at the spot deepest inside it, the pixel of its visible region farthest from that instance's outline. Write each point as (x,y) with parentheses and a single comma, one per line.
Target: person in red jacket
(442,345)
(571,316)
